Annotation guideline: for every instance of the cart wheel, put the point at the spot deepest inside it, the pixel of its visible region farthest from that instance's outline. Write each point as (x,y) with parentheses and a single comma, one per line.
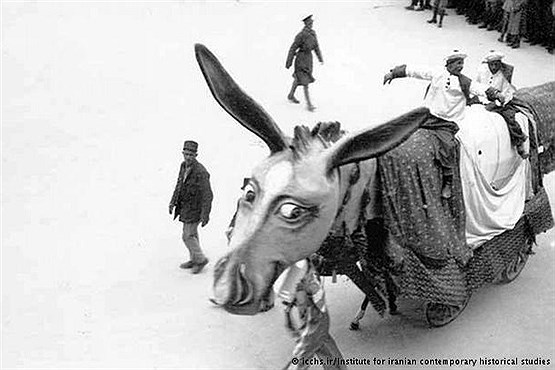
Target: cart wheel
(514,268)
(439,314)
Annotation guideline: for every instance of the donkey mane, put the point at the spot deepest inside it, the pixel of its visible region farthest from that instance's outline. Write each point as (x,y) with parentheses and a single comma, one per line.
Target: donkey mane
(326,132)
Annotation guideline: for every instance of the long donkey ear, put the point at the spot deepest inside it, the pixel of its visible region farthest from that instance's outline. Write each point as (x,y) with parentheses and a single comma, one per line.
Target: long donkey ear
(236,102)
(376,141)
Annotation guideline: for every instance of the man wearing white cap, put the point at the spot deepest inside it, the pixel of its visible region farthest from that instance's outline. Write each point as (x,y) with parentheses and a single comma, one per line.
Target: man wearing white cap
(494,73)
(446,98)
(498,75)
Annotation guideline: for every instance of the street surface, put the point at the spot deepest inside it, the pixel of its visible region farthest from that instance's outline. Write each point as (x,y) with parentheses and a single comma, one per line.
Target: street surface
(97,99)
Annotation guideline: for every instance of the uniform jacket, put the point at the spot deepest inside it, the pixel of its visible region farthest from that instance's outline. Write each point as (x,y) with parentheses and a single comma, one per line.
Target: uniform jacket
(192,196)
(303,45)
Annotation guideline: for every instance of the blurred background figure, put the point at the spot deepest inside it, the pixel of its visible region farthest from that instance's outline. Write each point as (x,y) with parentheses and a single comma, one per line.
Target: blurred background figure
(301,51)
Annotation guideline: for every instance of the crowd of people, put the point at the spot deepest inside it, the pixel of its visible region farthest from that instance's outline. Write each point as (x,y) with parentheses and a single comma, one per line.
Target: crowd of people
(531,21)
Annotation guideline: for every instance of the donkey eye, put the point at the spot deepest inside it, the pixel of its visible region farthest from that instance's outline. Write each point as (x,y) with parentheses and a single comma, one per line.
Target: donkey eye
(291,212)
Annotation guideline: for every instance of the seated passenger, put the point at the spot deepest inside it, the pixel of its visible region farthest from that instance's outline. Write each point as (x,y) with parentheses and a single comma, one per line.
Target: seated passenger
(497,75)
(446,98)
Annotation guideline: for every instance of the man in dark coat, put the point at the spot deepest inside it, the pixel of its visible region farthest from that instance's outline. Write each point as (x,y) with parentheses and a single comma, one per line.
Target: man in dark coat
(192,201)
(301,50)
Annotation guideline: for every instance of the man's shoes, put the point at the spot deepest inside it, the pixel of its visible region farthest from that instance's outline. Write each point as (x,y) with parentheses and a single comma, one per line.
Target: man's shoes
(410,7)
(187,265)
(292,99)
(199,266)
(433,20)
(311,108)
(483,25)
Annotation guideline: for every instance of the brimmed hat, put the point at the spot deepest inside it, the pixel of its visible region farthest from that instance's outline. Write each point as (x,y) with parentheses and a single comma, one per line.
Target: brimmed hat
(455,54)
(493,55)
(190,146)
(307,19)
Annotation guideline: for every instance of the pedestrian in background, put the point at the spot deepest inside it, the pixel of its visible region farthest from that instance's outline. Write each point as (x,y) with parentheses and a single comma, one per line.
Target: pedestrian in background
(493,14)
(301,51)
(192,202)
(439,8)
(513,10)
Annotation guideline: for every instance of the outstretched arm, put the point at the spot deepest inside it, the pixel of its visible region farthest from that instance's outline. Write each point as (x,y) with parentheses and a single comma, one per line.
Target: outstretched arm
(404,71)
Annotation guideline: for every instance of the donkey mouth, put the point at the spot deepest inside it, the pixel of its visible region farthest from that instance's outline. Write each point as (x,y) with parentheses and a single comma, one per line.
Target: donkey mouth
(238,295)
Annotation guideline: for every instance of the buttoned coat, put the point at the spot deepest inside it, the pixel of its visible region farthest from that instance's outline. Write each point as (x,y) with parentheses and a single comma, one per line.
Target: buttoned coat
(301,50)
(192,196)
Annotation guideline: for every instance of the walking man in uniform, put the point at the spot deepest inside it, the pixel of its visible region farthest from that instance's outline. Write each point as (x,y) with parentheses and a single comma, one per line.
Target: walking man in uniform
(192,201)
(301,50)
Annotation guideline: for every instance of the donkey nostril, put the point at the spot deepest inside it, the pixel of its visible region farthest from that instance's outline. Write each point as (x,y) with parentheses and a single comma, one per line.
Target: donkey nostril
(241,290)
(245,289)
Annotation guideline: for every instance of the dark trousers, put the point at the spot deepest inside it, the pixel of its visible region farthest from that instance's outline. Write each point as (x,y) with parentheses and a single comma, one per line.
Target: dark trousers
(445,146)
(508,113)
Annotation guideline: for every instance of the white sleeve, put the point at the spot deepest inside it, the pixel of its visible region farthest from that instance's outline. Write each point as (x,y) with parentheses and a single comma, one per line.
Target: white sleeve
(419,73)
(478,88)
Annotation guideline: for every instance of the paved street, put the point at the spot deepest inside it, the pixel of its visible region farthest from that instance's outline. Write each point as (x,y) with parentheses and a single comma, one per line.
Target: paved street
(97,98)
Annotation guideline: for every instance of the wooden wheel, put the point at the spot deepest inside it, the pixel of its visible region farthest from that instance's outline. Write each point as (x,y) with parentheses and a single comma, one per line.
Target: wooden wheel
(514,268)
(439,314)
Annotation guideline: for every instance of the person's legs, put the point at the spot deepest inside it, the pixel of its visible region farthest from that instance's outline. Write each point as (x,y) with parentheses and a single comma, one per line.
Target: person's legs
(515,132)
(309,105)
(504,25)
(330,355)
(514,29)
(486,18)
(328,351)
(441,15)
(291,95)
(435,10)
(191,240)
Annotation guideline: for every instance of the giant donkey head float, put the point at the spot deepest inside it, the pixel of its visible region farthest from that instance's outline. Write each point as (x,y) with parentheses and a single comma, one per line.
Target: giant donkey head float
(293,196)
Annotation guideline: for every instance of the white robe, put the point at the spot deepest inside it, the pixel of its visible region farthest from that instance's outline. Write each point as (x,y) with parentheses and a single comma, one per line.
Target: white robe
(494,177)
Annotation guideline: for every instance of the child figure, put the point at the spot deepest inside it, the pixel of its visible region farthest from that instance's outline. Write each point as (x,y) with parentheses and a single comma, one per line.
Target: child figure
(301,288)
